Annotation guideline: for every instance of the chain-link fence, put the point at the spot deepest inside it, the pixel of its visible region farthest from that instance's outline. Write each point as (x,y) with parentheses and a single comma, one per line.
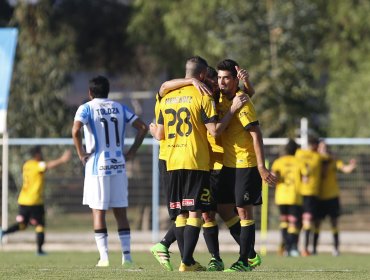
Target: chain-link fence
(64,185)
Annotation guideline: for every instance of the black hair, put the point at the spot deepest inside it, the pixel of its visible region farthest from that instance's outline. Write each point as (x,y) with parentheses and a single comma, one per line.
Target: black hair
(36,150)
(313,140)
(211,72)
(195,65)
(228,65)
(99,87)
(291,147)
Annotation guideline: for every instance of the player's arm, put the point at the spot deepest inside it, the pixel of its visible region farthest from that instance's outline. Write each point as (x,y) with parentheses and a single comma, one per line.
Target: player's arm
(77,140)
(266,175)
(168,86)
(56,162)
(243,76)
(141,131)
(348,168)
(216,128)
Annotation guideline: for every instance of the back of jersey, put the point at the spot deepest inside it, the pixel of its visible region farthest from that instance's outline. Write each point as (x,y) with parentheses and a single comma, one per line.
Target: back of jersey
(184,113)
(105,121)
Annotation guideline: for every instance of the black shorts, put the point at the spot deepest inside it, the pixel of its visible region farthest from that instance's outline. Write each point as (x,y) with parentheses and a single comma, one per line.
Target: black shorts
(240,186)
(293,210)
(188,191)
(29,213)
(163,175)
(310,204)
(214,181)
(328,207)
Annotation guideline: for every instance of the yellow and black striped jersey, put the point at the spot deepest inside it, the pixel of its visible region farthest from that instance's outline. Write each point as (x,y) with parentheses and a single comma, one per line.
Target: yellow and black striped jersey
(162,146)
(236,140)
(32,192)
(312,161)
(329,187)
(289,170)
(184,113)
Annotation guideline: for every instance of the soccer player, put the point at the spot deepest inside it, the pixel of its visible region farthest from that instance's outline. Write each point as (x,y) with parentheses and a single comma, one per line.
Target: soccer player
(243,164)
(105,186)
(31,198)
(310,187)
(289,171)
(210,227)
(185,117)
(328,203)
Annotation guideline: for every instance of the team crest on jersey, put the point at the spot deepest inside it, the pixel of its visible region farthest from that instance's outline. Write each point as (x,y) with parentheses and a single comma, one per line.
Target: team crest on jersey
(246,196)
(188,202)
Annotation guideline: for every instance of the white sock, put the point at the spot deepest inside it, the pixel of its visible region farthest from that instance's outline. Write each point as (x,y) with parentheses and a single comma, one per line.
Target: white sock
(101,239)
(125,238)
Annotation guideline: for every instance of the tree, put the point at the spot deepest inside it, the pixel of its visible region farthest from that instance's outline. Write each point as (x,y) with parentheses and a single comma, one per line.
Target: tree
(45,57)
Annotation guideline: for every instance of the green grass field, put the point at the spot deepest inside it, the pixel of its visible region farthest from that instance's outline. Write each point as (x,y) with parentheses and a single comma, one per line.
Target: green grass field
(79,265)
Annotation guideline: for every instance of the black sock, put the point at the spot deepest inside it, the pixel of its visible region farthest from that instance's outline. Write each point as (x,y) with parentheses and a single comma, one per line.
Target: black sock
(40,238)
(210,234)
(170,236)
(235,232)
(14,228)
(247,234)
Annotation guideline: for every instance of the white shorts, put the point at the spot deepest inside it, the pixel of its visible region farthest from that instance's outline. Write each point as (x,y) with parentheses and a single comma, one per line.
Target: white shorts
(104,192)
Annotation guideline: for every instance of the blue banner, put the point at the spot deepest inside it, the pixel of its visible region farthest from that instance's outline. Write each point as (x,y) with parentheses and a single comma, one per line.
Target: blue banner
(8,42)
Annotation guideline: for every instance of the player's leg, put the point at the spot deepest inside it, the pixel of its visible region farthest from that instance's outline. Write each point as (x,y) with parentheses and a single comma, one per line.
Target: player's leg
(231,219)
(283,209)
(22,221)
(124,234)
(101,236)
(37,219)
(161,250)
(210,233)
(293,230)
(334,214)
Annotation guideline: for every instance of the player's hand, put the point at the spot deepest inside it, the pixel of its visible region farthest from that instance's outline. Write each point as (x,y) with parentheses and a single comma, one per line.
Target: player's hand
(84,157)
(267,176)
(153,129)
(242,74)
(201,87)
(238,102)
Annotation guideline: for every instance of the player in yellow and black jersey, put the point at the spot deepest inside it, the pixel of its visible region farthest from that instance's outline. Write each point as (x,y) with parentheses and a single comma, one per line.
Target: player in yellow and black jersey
(328,203)
(289,171)
(31,198)
(310,187)
(243,164)
(184,119)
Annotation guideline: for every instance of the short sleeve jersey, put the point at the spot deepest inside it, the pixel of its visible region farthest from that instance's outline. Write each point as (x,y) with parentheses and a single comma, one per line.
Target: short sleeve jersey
(290,171)
(216,152)
(329,186)
(236,140)
(184,113)
(104,128)
(162,145)
(32,192)
(312,162)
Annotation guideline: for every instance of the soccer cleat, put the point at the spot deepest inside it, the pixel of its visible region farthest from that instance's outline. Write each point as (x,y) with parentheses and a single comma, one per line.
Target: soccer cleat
(215,265)
(102,263)
(194,267)
(335,253)
(162,255)
(305,253)
(256,261)
(239,266)
(294,253)
(41,253)
(1,235)
(127,264)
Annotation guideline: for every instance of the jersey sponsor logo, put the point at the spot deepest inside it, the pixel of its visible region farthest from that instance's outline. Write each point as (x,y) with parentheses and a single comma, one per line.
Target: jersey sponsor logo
(177,146)
(175,205)
(112,167)
(188,202)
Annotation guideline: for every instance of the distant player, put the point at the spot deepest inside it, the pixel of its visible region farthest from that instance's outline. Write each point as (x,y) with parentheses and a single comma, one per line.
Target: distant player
(289,171)
(328,204)
(106,185)
(31,198)
(310,187)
